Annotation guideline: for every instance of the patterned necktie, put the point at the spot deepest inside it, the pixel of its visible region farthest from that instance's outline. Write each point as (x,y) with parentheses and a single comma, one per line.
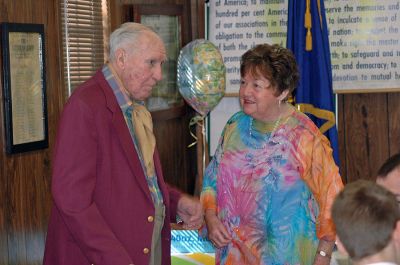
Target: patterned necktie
(143,126)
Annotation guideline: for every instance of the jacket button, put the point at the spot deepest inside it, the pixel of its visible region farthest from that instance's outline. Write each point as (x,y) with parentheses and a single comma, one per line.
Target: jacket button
(150,219)
(146,250)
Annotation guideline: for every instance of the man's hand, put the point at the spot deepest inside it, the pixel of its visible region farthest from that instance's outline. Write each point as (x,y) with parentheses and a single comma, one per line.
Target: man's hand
(191,212)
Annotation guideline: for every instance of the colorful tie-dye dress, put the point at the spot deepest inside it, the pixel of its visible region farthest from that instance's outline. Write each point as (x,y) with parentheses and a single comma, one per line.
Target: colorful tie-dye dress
(272,188)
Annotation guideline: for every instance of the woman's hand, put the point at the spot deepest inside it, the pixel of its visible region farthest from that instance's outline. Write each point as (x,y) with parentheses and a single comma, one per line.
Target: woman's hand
(217,232)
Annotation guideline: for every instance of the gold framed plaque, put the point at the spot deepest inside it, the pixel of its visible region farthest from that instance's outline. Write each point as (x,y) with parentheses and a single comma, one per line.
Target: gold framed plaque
(24,87)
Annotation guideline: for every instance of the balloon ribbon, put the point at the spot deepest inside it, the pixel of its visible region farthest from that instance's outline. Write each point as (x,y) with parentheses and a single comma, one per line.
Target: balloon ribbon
(199,120)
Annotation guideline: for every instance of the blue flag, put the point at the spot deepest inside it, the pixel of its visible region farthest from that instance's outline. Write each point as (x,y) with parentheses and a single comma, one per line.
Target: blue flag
(307,37)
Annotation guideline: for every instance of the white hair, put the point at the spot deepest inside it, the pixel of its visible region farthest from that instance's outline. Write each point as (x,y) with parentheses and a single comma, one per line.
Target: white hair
(126,36)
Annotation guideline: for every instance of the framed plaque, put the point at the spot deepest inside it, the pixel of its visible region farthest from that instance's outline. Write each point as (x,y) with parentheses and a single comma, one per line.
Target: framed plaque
(24,87)
(166,20)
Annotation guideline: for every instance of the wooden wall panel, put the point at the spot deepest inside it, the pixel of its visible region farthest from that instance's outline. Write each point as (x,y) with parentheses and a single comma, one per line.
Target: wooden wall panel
(394,122)
(17,211)
(365,132)
(25,198)
(4,188)
(173,138)
(341,138)
(3,179)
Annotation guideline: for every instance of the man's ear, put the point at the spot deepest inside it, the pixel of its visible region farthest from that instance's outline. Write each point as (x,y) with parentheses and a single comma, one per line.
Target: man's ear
(120,58)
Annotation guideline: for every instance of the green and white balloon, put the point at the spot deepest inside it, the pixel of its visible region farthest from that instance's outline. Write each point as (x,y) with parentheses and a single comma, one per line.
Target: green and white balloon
(201,75)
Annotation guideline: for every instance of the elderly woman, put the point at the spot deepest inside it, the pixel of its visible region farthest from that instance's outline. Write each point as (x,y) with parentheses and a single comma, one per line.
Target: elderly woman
(268,191)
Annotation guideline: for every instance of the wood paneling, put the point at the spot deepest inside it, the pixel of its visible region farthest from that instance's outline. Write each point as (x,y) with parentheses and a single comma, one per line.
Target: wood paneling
(173,138)
(394,122)
(25,198)
(367,131)
(341,138)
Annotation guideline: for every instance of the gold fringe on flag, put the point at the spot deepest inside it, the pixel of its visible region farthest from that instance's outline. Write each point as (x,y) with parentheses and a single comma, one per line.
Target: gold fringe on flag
(326,115)
(319,12)
(307,25)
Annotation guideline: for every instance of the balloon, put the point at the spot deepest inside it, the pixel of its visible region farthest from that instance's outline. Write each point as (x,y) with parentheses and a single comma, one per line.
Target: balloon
(201,75)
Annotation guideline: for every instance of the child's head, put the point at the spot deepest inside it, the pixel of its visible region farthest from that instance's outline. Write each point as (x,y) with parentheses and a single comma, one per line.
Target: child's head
(365,215)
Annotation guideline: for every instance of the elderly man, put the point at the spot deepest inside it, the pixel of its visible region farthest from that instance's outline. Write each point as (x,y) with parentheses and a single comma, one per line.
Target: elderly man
(111,204)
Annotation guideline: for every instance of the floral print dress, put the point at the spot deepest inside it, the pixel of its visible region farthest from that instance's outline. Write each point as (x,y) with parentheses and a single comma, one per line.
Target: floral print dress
(272,186)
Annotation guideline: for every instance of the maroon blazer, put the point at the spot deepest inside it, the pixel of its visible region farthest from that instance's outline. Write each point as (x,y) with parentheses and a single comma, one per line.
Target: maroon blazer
(103,211)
